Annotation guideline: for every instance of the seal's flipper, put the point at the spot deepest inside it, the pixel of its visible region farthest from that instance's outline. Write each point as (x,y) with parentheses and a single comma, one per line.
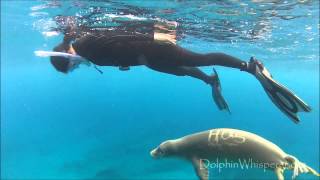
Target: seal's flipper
(282,97)
(201,169)
(216,93)
(279,173)
(312,171)
(299,167)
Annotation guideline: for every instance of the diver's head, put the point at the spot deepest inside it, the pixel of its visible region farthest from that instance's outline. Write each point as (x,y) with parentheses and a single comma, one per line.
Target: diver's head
(61,63)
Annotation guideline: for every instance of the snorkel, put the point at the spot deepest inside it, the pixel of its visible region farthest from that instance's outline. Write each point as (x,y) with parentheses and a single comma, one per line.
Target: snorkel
(71,57)
(74,60)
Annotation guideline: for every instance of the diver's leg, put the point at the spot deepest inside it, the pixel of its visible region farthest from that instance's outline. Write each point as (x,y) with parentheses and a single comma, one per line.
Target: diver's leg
(185,71)
(195,72)
(189,58)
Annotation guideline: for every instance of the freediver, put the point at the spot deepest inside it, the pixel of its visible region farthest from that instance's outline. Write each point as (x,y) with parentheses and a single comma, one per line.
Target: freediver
(157,49)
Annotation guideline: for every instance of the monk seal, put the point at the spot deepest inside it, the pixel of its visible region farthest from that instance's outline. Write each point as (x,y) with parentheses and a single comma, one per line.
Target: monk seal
(232,145)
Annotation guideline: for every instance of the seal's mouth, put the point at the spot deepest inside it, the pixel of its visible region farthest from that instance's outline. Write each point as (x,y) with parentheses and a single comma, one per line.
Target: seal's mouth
(157,153)
(153,153)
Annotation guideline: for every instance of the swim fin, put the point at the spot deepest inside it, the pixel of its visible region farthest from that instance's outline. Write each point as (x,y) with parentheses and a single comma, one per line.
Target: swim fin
(282,97)
(216,93)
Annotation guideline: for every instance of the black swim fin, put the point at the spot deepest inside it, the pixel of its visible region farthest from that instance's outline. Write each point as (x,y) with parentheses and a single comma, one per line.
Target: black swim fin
(282,97)
(216,93)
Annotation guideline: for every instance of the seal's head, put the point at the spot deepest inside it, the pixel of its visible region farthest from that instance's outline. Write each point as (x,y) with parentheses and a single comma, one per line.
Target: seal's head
(165,149)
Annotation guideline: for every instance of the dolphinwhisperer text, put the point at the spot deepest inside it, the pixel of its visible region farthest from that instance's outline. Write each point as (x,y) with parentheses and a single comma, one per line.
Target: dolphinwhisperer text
(243,164)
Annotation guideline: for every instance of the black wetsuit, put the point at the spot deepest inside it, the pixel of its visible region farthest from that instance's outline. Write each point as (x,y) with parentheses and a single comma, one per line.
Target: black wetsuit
(110,49)
(115,49)
(128,49)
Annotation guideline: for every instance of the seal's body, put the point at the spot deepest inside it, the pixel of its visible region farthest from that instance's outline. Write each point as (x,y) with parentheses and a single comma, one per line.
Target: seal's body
(232,145)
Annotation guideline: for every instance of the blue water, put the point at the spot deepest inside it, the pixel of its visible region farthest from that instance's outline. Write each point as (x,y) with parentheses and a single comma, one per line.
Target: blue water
(85,125)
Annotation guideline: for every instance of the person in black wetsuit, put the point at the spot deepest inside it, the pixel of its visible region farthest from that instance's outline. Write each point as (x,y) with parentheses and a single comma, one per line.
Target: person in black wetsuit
(157,50)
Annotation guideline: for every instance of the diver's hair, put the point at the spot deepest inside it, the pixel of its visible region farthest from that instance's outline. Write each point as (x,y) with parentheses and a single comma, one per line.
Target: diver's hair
(61,64)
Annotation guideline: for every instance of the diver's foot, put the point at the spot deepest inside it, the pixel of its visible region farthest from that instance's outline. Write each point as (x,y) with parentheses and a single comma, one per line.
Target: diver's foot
(216,91)
(254,66)
(288,102)
(212,80)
